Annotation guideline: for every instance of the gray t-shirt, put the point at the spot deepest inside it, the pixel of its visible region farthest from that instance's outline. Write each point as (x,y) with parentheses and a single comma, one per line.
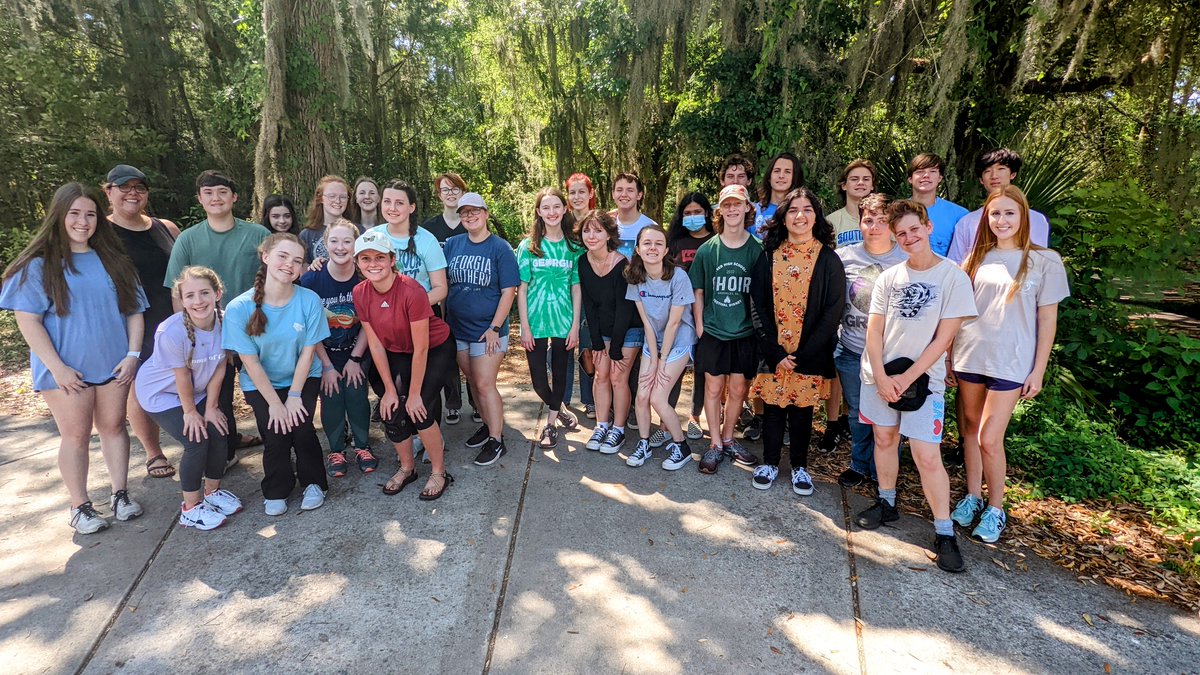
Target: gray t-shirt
(862,269)
(156,389)
(1002,341)
(658,297)
(913,302)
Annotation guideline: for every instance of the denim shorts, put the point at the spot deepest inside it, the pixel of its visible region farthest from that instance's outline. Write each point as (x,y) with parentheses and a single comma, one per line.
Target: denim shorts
(480,348)
(989,382)
(634,337)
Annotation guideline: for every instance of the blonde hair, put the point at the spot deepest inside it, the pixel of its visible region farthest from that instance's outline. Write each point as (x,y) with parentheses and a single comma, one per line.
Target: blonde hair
(200,274)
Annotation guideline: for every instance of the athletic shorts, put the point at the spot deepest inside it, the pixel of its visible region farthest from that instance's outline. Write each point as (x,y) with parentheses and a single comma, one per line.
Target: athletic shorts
(991,383)
(924,424)
(727,357)
(676,353)
(480,348)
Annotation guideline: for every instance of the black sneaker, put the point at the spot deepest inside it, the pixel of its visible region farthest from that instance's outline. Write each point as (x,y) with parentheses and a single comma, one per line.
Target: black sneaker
(549,437)
(880,512)
(453,416)
(851,479)
(753,430)
(478,438)
(949,559)
(492,450)
(476,417)
(830,439)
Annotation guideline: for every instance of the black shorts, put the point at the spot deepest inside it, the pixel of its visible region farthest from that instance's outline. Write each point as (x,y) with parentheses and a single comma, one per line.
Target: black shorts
(727,357)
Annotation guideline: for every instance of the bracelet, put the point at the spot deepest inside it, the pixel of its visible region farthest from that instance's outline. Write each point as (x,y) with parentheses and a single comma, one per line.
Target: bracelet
(326,369)
(295,394)
(136,355)
(356,359)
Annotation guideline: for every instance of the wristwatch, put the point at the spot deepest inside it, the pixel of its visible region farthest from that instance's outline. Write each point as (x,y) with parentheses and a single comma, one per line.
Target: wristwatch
(496,329)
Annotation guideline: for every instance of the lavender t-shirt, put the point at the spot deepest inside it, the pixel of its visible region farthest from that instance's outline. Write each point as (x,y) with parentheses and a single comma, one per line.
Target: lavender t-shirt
(155,386)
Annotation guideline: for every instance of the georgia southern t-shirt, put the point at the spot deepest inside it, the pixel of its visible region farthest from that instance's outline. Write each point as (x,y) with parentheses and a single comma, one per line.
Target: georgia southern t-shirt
(478,275)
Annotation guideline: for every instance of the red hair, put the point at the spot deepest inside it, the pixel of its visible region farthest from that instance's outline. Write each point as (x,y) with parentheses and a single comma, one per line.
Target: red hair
(586,181)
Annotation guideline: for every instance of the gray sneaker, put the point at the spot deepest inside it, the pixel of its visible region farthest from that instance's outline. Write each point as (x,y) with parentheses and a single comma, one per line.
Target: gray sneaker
(123,507)
(85,520)
(739,454)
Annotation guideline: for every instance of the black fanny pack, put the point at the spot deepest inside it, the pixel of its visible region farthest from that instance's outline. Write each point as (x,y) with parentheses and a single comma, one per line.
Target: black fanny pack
(913,397)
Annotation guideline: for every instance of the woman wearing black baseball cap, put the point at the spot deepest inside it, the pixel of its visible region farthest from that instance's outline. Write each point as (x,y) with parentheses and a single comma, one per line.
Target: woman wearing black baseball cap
(148,240)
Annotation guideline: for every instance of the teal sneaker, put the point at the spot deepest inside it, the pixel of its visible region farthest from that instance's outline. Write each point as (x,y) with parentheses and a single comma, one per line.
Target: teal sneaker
(990,526)
(968,510)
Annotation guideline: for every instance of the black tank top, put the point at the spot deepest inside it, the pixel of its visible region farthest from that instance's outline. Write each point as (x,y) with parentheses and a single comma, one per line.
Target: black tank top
(150,251)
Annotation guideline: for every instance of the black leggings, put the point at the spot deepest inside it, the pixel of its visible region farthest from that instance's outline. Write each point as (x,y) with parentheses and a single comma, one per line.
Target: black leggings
(400,427)
(551,392)
(278,477)
(203,459)
(800,422)
(697,392)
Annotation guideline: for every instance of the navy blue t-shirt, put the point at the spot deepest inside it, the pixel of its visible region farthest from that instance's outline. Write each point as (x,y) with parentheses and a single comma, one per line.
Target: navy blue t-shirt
(338,300)
(477,275)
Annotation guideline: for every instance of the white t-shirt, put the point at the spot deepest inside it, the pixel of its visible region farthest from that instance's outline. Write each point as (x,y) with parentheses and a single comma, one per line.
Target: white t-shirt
(913,302)
(1002,341)
(862,271)
(628,233)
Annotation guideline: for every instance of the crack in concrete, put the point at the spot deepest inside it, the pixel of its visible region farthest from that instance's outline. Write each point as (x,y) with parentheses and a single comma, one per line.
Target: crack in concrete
(858,622)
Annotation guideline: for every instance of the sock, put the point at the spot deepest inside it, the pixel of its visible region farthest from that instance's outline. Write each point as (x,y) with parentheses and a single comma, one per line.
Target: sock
(602,425)
(620,429)
(727,441)
(995,511)
(944,527)
(888,496)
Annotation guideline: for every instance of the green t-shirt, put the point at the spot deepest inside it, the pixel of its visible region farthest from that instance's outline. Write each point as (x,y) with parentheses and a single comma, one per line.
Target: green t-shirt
(550,278)
(233,255)
(723,274)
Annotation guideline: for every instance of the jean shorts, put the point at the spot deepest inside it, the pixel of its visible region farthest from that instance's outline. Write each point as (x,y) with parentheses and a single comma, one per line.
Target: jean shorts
(634,337)
(480,348)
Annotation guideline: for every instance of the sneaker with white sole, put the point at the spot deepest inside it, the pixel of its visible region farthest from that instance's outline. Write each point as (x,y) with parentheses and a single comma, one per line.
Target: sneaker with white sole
(640,454)
(589,411)
(223,502)
(314,498)
(274,507)
(991,526)
(490,452)
(659,438)
(123,506)
(597,438)
(85,520)
(967,510)
(201,516)
(453,416)
(801,482)
(694,432)
(764,476)
(681,454)
(613,440)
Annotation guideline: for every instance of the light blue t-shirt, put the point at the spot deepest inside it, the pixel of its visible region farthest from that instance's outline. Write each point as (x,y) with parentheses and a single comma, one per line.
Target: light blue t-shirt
(761,216)
(416,266)
(290,328)
(92,337)
(156,389)
(944,215)
(658,297)
(628,233)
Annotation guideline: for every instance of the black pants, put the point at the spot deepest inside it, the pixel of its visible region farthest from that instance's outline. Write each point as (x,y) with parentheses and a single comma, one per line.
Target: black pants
(800,422)
(225,402)
(203,459)
(279,479)
(697,392)
(400,427)
(551,390)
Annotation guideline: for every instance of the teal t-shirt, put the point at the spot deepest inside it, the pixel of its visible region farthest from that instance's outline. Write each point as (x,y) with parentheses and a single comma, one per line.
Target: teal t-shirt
(416,266)
(550,279)
(290,328)
(233,255)
(723,274)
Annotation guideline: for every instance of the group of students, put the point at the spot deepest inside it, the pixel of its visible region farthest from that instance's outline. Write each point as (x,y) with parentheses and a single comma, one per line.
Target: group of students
(768,300)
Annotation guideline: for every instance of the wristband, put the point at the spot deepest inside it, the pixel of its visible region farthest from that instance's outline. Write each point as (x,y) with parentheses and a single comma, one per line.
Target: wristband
(136,355)
(295,394)
(357,359)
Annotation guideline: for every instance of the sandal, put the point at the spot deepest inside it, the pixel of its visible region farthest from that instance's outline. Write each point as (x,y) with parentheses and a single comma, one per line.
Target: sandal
(393,486)
(245,441)
(159,467)
(428,496)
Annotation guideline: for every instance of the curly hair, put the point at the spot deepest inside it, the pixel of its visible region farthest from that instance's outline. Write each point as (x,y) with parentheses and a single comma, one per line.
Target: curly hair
(776,230)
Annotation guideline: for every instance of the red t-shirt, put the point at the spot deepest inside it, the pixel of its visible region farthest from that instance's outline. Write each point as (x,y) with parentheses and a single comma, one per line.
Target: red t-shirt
(391,314)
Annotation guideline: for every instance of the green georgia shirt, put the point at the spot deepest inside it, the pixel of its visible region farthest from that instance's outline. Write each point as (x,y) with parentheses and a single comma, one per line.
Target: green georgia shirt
(550,278)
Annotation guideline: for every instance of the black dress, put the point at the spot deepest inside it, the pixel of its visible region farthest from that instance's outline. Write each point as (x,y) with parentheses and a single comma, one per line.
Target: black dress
(150,251)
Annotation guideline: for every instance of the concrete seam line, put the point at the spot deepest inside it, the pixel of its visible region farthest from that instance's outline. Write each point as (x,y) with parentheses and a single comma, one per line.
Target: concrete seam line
(858,622)
(512,551)
(112,620)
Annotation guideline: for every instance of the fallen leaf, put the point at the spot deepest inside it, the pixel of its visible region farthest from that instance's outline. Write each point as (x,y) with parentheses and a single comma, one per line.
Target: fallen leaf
(1088,620)
(702,640)
(651,541)
(775,649)
(573,632)
(435,598)
(770,631)
(644,530)
(1107,668)
(573,587)
(919,569)
(683,590)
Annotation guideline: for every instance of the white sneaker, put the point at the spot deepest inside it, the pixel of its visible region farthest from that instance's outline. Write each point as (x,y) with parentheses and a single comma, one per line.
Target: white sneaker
(201,516)
(223,502)
(85,520)
(314,498)
(123,507)
(275,507)
(694,432)
(659,438)
(640,454)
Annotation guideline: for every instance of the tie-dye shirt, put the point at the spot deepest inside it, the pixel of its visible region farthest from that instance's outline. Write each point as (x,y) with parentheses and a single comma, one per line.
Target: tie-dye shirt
(550,278)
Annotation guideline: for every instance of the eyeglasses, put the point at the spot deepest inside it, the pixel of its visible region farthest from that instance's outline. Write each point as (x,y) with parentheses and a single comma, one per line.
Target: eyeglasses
(451,191)
(138,188)
(336,198)
(469,214)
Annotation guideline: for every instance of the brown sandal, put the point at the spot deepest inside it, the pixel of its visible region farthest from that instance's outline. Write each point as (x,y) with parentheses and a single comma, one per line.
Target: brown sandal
(447,479)
(393,486)
(159,467)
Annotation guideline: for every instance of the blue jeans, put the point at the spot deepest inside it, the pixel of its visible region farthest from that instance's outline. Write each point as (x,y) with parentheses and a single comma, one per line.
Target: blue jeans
(862,444)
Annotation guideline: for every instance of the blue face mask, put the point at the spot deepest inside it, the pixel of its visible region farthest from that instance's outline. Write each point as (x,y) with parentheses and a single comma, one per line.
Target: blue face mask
(694,223)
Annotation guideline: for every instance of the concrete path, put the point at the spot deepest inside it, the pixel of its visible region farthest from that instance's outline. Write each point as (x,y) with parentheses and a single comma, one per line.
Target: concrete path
(563,561)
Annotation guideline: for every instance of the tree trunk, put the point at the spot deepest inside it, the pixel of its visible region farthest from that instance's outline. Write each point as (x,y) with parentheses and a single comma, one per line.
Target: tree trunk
(306,94)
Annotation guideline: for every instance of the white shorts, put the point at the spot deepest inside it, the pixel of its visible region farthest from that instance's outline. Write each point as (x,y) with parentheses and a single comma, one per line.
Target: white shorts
(923,425)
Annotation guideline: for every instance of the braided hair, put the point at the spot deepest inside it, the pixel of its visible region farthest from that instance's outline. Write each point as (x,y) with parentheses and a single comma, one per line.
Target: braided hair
(201,274)
(257,325)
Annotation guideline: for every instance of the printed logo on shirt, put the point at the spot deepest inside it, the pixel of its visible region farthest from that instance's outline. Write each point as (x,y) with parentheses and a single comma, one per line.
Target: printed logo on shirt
(864,284)
(555,263)
(471,269)
(939,412)
(911,299)
(384,305)
(647,294)
(731,282)
(298,327)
